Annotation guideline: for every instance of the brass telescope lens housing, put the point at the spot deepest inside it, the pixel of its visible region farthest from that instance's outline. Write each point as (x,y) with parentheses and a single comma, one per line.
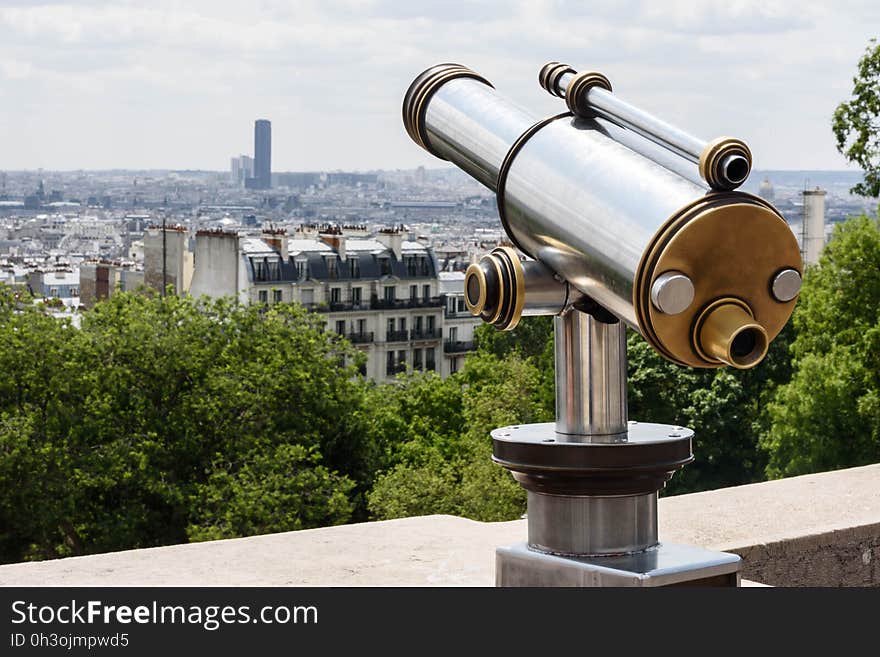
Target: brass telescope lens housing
(726,331)
(495,288)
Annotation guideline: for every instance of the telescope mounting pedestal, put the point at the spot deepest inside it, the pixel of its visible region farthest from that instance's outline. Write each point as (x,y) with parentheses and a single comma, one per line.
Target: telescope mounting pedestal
(593,479)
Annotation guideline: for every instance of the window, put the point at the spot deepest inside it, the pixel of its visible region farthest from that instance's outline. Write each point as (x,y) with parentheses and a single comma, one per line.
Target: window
(401,358)
(411,268)
(354,268)
(335,294)
(308,296)
(261,271)
(264,296)
(340,327)
(53,291)
(417,359)
(391,325)
(74,291)
(429,359)
(276,296)
(453,334)
(356,296)
(450,305)
(461,305)
(302,269)
(389,293)
(418,325)
(402,322)
(330,261)
(423,266)
(453,365)
(273,270)
(389,363)
(413,292)
(362,326)
(430,323)
(426,292)
(384,266)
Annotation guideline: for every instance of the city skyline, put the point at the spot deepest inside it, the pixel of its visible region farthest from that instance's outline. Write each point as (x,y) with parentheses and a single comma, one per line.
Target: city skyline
(100,86)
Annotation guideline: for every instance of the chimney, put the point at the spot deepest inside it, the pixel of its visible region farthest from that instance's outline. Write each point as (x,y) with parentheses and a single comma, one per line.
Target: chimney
(393,239)
(332,236)
(277,239)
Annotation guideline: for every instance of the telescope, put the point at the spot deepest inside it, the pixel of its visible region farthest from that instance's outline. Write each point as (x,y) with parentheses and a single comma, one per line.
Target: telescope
(617,219)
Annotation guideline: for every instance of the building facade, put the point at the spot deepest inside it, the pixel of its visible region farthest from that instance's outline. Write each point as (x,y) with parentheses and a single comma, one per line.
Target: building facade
(382,293)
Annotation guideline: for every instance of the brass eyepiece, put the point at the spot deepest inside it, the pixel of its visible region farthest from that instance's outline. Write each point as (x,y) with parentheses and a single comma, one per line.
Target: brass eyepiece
(726,332)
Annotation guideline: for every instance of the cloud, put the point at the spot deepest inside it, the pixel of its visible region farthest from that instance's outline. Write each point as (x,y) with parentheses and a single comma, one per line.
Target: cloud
(170,84)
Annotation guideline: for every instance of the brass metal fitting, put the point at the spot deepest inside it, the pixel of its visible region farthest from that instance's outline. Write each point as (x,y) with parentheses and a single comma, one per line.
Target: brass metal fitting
(579,87)
(725,163)
(415,102)
(726,331)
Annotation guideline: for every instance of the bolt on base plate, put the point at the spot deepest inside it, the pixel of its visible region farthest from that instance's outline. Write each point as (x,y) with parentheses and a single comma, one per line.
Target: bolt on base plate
(666,564)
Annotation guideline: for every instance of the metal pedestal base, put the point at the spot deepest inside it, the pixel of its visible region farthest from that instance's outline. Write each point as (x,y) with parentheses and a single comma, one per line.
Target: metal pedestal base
(666,564)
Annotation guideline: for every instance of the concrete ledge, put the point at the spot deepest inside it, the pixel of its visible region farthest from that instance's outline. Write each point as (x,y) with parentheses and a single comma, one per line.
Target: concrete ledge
(815,530)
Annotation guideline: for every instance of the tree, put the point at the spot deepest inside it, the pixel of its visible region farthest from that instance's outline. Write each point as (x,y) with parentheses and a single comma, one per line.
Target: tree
(828,416)
(448,467)
(856,122)
(164,419)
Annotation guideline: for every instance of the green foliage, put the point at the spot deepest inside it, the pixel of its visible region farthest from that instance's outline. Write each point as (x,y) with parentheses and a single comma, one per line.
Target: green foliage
(446,467)
(127,432)
(280,490)
(828,416)
(856,122)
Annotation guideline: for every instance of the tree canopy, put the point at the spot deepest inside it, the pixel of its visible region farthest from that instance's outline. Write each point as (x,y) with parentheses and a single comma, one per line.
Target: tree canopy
(856,122)
(828,415)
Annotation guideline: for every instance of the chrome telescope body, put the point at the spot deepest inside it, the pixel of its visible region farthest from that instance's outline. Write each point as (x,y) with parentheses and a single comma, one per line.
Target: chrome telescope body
(608,203)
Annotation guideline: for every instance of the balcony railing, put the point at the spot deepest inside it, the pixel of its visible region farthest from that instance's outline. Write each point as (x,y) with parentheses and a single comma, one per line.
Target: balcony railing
(458,346)
(341,306)
(360,338)
(398,304)
(374,304)
(425,334)
(397,336)
(456,314)
(396,368)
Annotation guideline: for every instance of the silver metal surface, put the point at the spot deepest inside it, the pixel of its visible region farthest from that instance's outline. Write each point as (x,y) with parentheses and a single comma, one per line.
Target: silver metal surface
(672,292)
(593,233)
(667,564)
(588,206)
(610,106)
(590,376)
(473,127)
(545,293)
(786,285)
(580,526)
(635,433)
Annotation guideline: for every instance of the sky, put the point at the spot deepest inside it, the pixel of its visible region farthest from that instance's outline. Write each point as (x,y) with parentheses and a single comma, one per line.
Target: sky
(178,85)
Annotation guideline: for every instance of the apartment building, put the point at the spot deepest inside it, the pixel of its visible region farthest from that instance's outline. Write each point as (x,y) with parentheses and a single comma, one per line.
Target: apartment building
(381,292)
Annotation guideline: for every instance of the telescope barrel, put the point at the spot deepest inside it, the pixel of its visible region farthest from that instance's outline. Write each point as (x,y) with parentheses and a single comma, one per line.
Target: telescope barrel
(613,216)
(724,163)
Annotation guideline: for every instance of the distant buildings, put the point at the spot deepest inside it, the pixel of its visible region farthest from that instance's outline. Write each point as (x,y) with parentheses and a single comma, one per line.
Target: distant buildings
(100,279)
(766,191)
(383,293)
(812,236)
(262,155)
(242,168)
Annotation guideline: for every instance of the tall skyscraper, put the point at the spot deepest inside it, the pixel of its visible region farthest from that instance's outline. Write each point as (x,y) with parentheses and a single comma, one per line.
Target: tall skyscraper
(262,154)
